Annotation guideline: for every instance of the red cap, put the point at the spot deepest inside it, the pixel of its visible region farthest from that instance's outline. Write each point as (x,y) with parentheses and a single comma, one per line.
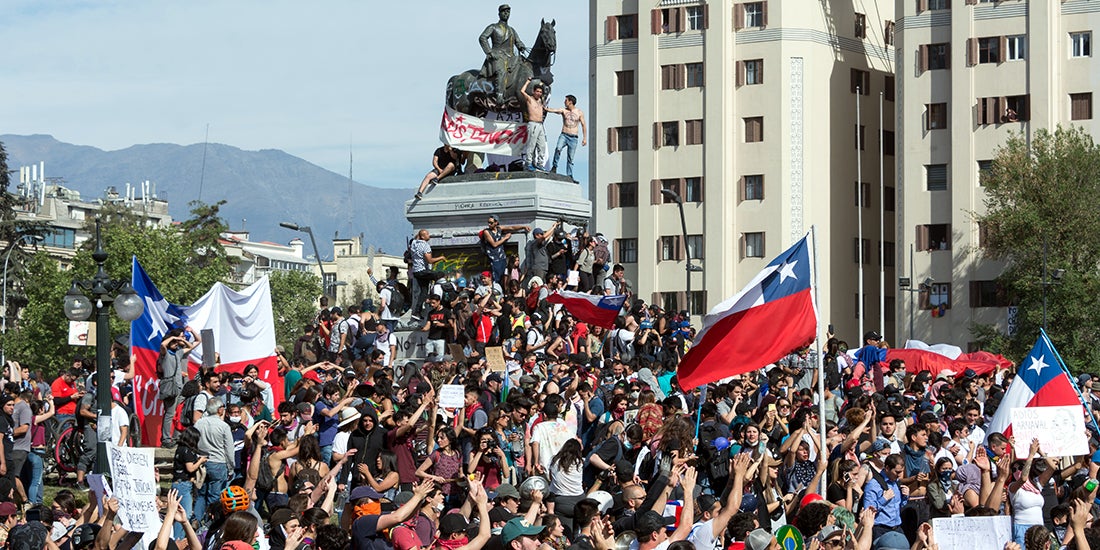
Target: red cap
(810,497)
(486,274)
(312,375)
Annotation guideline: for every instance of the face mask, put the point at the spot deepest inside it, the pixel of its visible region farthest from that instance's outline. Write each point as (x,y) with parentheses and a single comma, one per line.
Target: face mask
(235,419)
(439,508)
(499,530)
(634,395)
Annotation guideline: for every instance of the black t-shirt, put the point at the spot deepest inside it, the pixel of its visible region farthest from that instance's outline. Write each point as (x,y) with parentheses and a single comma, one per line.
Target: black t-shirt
(609,451)
(443,158)
(183,456)
(560,264)
(6,428)
(439,332)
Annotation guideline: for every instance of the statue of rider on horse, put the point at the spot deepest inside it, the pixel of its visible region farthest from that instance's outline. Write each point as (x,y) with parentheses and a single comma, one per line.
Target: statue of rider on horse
(496,86)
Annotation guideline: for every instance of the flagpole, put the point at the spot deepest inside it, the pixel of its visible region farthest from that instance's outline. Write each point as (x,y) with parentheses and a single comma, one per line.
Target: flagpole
(1072,380)
(820,359)
(881,224)
(859,212)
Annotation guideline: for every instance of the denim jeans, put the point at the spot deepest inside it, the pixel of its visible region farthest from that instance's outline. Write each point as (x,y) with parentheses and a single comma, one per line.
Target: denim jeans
(35,460)
(187,501)
(326,454)
(569,143)
(217,479)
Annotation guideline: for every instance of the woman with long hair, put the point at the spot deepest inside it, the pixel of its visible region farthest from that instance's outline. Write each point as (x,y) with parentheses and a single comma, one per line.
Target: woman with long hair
(553,537)
(444,466)
(185,466)
(388,478)
(309,457)
(489,459)
(567,481)
(241,526)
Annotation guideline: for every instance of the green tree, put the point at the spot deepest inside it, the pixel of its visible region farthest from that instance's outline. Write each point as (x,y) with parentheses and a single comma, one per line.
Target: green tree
(293,303)
(1040,199)
(14,233)
(183,267)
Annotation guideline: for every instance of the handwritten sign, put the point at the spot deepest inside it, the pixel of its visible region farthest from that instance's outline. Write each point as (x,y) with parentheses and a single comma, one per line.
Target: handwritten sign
(957,533)
(452,396)
(494,356)
(81,333)
(134,483)
(470,133)
(1060,430)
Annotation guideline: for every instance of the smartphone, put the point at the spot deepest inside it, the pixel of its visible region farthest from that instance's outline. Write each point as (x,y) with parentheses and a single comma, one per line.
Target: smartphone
(831,329)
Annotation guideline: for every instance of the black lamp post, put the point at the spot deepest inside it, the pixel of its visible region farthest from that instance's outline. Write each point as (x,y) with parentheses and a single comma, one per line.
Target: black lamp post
(78,307)
(688,266)
(317,255)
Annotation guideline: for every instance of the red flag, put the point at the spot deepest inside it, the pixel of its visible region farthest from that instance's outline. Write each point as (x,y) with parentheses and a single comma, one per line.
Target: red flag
(769,318)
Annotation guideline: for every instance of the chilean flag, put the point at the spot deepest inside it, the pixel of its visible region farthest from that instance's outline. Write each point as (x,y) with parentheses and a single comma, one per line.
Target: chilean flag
(769,318)
(594,310)
(1040,382)
(244,333)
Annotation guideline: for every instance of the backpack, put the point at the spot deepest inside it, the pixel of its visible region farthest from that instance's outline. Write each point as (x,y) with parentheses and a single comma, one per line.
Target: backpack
(398,305)
(450,292)
(407,257)
(533,299)
(190,393)
(716,463)
(265,481)
(601,255)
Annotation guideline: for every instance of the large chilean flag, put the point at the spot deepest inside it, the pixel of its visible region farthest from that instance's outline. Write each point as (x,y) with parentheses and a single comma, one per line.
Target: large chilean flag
(592,309)
(769,318)
(1040,382)
(244,333)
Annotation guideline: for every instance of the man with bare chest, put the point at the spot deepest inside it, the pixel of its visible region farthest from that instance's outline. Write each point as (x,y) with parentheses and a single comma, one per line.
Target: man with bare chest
(572,121)
(534,155)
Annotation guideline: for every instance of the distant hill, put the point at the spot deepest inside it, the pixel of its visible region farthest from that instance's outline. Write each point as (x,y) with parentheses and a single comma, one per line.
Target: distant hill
(263,187)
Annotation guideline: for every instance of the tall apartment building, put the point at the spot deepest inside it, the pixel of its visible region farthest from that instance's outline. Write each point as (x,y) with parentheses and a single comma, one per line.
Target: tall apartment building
(747,110)
(969,73)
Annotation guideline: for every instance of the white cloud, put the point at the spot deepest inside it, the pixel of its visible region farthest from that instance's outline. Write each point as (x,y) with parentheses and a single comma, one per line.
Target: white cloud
(302,77)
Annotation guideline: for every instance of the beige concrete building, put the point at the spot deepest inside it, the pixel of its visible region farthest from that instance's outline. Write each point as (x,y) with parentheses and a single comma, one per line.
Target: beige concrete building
(346,277)
(748,111)
(969,73)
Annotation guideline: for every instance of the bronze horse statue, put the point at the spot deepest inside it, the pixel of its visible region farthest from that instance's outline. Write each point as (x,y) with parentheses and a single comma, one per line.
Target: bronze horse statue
(469,93)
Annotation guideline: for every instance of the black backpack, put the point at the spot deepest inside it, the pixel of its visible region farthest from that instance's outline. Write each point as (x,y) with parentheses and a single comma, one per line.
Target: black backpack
(189,394)
(265,480)
(716,463)
(450,292)
(398,305)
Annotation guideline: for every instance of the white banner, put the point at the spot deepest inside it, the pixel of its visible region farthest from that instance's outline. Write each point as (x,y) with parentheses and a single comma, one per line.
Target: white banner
(470,133)
(1060,430)
(959,533)
(133,480)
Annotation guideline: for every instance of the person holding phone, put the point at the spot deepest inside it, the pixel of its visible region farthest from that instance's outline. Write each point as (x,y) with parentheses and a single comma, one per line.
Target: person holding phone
(185,468)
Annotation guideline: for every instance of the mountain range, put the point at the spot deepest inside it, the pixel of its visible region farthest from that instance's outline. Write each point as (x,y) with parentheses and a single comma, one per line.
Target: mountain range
(261,188)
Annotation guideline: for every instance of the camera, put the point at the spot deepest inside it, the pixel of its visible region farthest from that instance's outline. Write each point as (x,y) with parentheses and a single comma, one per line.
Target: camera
(491,444)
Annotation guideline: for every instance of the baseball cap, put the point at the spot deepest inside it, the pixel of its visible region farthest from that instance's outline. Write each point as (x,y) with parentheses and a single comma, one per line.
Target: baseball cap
(452,523)
(364,491)
(969,373)
(500,514)
(891,540)
(494,377)
(829,531)
(304,408)
(7,509)
(879,444)
(312,375)
(759,539)
(651,522)
(1082,378)
(872,335)
(518,527)
(538,231)
(507,490)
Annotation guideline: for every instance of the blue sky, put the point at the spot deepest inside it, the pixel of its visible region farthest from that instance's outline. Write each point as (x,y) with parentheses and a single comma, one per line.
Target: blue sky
(305,77)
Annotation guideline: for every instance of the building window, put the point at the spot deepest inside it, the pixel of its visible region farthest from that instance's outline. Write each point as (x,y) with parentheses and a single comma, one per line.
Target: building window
(935,236)
(888,88)
(998,110)
(695,247)
(886,249)
(666,134)
(696,18)
(935,116)
(989,49)
(861,82)
(693,189)
(624,82)
(667,185)
(694,75)
(1080,106)
(935,56)
(937,4)
(752,187)
(861,141)
(750,72)
(1017,109)
(937,296)
(754,129)
(935,177)
(861,26)
(752,245)
(670,248)
(697,301)
(888,33)
(888,198)
(985,167)
(627,251)
(863,194)
(1080,44)
(861,246)
(673,77)
(622,138)
(622,195)
(622,27)
(693,132)
(988,294)
(60,238)
(888,143)
(755,14)
(670,301)
(1016,47)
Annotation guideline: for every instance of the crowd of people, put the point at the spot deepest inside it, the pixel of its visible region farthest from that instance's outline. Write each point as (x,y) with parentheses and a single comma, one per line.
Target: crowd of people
(584,440)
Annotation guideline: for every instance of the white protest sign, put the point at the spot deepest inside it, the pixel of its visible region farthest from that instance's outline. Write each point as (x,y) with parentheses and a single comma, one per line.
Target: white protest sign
(98,484)
(959,533)
(452,396)
(1060,430)
(134,483)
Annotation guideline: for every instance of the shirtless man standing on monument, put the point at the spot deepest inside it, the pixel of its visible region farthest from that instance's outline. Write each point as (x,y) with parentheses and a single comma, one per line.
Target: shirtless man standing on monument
(534,155)
(572,117)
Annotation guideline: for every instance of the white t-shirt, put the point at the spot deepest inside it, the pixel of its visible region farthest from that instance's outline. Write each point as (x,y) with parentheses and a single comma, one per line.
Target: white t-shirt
(386,295)
(702,536)
(566,483)
(340,443)
(383,344)
(119,418)
(551,435)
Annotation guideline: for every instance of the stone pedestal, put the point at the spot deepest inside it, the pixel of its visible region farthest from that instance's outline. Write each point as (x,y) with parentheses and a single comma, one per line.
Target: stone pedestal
(455,210)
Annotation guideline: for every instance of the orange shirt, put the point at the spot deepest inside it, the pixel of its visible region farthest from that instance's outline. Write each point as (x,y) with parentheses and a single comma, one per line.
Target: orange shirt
(61,389)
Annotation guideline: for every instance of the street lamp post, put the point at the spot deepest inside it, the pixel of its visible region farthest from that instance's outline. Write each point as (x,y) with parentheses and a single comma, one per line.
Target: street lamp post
(317,255)
(78,307)
(4,320)
(688,266)
(1049,278)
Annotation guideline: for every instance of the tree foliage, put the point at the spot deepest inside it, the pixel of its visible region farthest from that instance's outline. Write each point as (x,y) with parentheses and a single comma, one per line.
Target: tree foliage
(13,235)
(293,303)
(1042,196)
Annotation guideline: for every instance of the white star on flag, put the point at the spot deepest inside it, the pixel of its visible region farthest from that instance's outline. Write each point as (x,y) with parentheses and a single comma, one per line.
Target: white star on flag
(787,270)
(1037,364)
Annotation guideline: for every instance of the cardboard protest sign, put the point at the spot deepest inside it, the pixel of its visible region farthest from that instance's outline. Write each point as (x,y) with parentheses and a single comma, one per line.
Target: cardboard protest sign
(1060,430)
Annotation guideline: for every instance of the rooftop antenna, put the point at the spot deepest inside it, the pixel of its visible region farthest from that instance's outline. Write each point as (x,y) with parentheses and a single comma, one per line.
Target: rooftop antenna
(351,164)
(202,171)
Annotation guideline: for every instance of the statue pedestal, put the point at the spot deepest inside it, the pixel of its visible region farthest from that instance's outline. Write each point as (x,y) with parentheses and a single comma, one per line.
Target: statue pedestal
(455,210)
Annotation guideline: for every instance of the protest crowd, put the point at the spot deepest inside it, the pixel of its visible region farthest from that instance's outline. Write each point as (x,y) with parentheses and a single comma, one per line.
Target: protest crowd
(584,439)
